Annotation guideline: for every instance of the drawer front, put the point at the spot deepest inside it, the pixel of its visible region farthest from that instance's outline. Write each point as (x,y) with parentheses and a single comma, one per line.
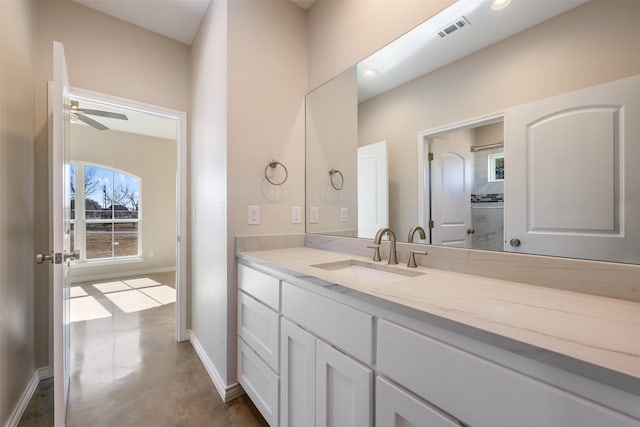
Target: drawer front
(397,408)
(259,285)
(342,326)
(259,382)
(259,327)
(479,392)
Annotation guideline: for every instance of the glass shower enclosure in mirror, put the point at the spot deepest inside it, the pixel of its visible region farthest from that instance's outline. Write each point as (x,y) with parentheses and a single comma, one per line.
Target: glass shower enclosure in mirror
(509,130)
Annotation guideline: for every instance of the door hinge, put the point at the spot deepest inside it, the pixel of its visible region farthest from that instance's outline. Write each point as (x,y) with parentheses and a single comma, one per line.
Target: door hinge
(430,157)
(432,224)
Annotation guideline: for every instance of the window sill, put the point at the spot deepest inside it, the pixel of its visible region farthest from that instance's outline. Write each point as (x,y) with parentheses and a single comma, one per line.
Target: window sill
(106,262)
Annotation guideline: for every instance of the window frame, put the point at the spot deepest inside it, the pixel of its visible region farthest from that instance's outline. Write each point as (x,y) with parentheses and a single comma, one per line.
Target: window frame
(79,221)
(492,176)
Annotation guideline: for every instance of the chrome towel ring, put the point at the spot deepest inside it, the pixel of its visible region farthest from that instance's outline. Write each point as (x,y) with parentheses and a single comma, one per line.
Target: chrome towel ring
(334,172)
(273,164)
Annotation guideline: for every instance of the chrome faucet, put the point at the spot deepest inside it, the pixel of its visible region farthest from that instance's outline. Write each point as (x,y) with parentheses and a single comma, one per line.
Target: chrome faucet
(393,259)
(412,233)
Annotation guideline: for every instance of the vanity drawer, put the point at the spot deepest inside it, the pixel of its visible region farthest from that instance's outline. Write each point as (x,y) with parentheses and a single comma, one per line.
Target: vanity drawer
(259,382)
(259,326)
(344,327)
(479,392)
(396,408)
(261,286)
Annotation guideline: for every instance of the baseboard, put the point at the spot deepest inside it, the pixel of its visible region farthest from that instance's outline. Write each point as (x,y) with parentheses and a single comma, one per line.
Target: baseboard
(117,274)
(18,411)
(226,392)
(45,373)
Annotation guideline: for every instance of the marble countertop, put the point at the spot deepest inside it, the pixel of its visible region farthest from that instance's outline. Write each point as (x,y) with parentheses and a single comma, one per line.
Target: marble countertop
(596,330)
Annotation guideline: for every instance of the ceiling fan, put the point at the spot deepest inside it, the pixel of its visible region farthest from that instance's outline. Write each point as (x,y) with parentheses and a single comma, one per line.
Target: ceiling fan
(80,114)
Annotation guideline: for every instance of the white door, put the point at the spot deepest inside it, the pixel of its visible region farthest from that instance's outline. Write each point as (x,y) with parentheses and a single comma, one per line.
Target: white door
(344,389)
(573,174)
(451,181)
(373,189)
(298,376)
(61,223)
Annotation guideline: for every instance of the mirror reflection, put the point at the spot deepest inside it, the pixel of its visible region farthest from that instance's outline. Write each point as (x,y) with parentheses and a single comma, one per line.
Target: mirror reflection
(509,130)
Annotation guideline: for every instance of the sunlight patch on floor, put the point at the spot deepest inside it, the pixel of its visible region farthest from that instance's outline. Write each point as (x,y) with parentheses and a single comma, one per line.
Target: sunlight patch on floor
(130,301)
(86,308)
(130,295)
(111,287)
(77,291)
(163,294)
(142,282)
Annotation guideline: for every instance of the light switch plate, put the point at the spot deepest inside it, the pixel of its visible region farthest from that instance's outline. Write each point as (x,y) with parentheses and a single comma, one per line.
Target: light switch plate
(296,215)
(254,215)
(344,214)
(313,215)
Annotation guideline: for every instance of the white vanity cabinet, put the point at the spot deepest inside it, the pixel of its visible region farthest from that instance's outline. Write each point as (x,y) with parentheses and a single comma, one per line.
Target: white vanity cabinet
(259,340)
(316,358)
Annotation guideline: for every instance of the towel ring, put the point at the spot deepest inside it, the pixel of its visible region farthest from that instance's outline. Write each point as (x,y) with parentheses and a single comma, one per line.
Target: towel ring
(332,173)
(273,164)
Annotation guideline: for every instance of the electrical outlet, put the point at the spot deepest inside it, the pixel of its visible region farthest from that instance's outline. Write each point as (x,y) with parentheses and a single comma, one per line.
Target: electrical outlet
(313,215)
(344,214)
(296,215)
(254,215)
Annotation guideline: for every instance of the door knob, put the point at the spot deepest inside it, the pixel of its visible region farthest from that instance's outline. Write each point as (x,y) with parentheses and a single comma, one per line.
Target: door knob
(42,258)
(70,256)
(514,242)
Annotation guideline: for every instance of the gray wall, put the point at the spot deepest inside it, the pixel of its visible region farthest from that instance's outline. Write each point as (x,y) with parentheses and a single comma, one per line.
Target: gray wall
(17,365)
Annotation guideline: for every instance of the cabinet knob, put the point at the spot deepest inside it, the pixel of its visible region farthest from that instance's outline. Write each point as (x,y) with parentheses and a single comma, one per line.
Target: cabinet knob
(514,242)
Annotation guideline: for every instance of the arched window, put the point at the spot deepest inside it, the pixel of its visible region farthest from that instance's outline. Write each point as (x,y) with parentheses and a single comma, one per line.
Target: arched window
(105,212)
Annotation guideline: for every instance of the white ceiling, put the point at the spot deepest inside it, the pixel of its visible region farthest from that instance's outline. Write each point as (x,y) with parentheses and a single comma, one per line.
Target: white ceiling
(139,122)
(422,50)
(176,19)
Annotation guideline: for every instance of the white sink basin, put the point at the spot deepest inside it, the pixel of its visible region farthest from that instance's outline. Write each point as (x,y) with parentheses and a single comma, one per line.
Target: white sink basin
(368,272)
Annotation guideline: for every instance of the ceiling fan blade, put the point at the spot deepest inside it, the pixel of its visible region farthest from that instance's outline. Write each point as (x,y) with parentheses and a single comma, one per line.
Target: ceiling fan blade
(90,122)
(101,113)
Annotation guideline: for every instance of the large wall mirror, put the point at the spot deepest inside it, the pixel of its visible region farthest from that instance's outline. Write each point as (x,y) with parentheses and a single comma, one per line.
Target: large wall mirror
(515,129)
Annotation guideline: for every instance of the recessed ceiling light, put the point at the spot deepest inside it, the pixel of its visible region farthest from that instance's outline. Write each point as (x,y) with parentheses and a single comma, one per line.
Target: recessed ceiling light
(369,73)
(500,4)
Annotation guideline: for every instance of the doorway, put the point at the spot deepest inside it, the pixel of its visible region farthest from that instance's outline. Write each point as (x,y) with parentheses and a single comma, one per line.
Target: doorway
(129,221)
(461,190)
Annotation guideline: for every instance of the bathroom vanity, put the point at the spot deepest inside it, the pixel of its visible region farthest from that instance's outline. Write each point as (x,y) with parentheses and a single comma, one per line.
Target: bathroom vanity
(328,338)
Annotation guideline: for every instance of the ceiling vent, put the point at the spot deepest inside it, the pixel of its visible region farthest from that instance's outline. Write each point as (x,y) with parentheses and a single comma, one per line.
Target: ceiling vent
(453,27)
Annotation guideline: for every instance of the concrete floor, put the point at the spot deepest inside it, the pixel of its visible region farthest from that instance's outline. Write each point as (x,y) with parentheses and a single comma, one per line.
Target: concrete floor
(128,370)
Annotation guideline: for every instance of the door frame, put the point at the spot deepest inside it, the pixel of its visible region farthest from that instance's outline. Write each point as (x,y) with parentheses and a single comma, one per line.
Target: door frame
(424,202)
(181,191)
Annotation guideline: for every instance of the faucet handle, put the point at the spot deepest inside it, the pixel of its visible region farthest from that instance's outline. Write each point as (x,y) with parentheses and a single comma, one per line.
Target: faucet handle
(412,258)
(376,254)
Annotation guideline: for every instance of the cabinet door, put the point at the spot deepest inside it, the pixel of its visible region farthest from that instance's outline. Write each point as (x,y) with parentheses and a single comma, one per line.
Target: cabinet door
(298,376)
(397,408)
(344,389)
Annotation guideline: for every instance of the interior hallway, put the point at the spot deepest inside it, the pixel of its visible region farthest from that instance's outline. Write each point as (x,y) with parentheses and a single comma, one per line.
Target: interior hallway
(128,370)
